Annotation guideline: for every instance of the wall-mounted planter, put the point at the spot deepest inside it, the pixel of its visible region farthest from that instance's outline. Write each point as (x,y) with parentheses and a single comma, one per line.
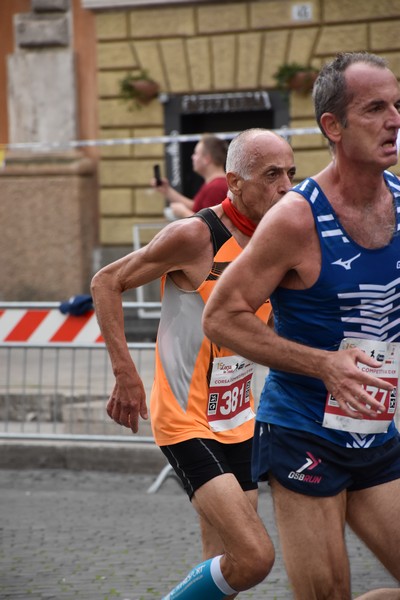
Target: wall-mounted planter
(139,89)
(296,77)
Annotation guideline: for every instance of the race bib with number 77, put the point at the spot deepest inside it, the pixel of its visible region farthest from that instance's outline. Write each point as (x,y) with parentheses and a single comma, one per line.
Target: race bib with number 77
(388,354)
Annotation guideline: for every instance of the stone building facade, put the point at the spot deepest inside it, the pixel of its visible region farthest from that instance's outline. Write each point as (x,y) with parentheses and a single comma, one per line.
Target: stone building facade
(202,54)
(48,208)
(196,48)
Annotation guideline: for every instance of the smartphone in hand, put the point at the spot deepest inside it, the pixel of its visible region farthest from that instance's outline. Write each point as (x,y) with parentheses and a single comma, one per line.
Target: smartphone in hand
(157,174)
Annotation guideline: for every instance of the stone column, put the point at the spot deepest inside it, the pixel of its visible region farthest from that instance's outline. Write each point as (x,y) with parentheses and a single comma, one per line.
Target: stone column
(48,208)
(41,75)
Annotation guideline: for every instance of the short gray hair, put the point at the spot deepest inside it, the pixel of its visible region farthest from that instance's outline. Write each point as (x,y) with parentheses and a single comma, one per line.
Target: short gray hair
(237,160)
(330,92)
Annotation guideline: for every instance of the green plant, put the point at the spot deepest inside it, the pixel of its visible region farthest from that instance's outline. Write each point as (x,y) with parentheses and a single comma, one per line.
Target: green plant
(293,76)
(138,88)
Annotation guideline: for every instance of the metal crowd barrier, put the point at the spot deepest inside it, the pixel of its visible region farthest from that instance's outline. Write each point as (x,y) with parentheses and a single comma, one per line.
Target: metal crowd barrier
(52,389)
(60,392)
(56,376)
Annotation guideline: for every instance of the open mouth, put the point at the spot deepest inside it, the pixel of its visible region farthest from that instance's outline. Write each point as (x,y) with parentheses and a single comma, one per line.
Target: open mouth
(390,144)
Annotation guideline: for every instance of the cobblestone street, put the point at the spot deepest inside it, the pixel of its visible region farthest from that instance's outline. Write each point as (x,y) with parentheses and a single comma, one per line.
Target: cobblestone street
(85,535)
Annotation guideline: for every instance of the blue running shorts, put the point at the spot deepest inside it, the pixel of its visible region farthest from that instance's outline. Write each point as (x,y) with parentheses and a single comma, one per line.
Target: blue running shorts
(198,460)
(311,465)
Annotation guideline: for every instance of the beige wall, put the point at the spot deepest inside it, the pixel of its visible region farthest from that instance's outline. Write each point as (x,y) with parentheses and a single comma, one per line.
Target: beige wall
(196,48)
(216,47)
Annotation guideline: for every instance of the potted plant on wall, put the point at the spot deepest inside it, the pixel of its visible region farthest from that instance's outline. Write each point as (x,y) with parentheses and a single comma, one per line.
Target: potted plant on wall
(138,88)
(293,76)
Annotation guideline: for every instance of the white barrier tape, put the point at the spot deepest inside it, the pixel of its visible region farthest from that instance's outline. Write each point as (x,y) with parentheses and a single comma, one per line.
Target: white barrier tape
(163,139)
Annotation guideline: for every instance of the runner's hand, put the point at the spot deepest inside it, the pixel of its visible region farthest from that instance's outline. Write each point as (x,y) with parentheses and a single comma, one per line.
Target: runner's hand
(128,401)
(348,383)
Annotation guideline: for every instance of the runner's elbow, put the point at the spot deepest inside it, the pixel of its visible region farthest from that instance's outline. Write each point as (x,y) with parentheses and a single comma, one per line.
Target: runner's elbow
(95,284)
(207,328)
(99,282)
(104,282)
(212,325)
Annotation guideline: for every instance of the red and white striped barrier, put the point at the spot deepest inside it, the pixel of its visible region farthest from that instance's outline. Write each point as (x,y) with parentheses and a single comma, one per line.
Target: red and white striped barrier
(38,326)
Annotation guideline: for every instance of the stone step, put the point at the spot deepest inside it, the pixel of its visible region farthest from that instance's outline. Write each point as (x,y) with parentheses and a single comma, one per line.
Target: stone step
(57,414)
(92,418)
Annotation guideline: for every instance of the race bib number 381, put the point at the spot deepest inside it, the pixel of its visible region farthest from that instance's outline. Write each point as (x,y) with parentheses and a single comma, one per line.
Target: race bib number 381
(229,393)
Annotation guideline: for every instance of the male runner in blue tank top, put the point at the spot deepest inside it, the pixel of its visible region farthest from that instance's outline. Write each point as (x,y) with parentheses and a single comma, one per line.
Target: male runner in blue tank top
(328,255)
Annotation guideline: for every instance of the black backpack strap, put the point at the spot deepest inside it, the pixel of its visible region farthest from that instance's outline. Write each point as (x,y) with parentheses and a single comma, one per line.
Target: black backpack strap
(219,233)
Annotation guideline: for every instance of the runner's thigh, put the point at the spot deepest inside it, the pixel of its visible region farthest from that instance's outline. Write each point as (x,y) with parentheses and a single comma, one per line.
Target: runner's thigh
(211,540)
(311,532)
(223,504)
(374,515)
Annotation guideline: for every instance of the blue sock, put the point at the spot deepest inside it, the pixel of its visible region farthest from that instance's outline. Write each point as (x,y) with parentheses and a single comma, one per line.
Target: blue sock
(201,583)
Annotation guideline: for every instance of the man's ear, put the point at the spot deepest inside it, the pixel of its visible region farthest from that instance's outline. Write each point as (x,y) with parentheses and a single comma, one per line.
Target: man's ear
(234,182)
(331,126)
(207,158)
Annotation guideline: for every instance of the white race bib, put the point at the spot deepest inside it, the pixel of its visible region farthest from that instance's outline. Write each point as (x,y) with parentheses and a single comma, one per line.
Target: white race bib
(388,352)
(229,393)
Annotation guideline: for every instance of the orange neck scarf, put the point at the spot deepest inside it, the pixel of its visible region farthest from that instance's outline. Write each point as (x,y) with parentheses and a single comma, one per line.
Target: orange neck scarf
(244,224)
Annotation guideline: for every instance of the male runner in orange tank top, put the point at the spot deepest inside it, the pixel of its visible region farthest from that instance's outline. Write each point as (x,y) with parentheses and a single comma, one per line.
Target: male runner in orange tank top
(201,406)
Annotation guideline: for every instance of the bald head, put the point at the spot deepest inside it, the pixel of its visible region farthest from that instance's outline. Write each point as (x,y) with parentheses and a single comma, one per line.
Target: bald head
(242,151)
(259,170)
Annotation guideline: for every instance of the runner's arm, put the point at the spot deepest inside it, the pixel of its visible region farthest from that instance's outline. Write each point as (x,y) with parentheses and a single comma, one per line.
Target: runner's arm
(175,248)
(229,317)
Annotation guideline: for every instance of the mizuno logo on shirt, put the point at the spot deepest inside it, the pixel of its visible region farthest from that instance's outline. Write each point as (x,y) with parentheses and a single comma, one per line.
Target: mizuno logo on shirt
(346,264)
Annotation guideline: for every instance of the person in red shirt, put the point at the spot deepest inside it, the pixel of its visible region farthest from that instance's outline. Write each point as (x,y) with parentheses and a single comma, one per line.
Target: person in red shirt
(208,160)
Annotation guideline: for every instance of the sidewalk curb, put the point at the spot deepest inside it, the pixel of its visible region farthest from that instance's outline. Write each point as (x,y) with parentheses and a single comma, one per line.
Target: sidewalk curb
(136,458)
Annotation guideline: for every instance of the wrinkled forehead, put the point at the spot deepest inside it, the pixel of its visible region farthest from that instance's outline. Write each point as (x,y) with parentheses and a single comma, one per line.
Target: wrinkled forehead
(275,151)
(370,80)
(369,86)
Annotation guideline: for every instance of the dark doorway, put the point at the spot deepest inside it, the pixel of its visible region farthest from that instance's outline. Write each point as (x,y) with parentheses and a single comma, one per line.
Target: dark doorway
(214,113)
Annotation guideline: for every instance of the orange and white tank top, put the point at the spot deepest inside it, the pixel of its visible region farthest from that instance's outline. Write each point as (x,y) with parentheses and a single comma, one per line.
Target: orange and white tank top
(185,383)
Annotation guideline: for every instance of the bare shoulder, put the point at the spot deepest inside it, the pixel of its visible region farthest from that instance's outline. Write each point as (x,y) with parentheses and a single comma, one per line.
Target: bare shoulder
(290,220)
(182,246)
(285,242)
(187,235)
(293,212)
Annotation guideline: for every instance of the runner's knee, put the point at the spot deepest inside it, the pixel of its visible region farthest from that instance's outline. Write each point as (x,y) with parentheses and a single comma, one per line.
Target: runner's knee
(253,566)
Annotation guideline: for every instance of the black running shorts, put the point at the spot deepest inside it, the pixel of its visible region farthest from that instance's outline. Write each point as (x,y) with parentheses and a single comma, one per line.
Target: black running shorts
(198,460)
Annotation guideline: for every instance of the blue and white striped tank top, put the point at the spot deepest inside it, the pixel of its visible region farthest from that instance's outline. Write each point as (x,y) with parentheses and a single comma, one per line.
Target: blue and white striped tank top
(356,295)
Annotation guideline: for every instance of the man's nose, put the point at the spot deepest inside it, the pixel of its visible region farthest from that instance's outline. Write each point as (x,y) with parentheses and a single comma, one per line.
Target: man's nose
(394,120)
(285,184)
